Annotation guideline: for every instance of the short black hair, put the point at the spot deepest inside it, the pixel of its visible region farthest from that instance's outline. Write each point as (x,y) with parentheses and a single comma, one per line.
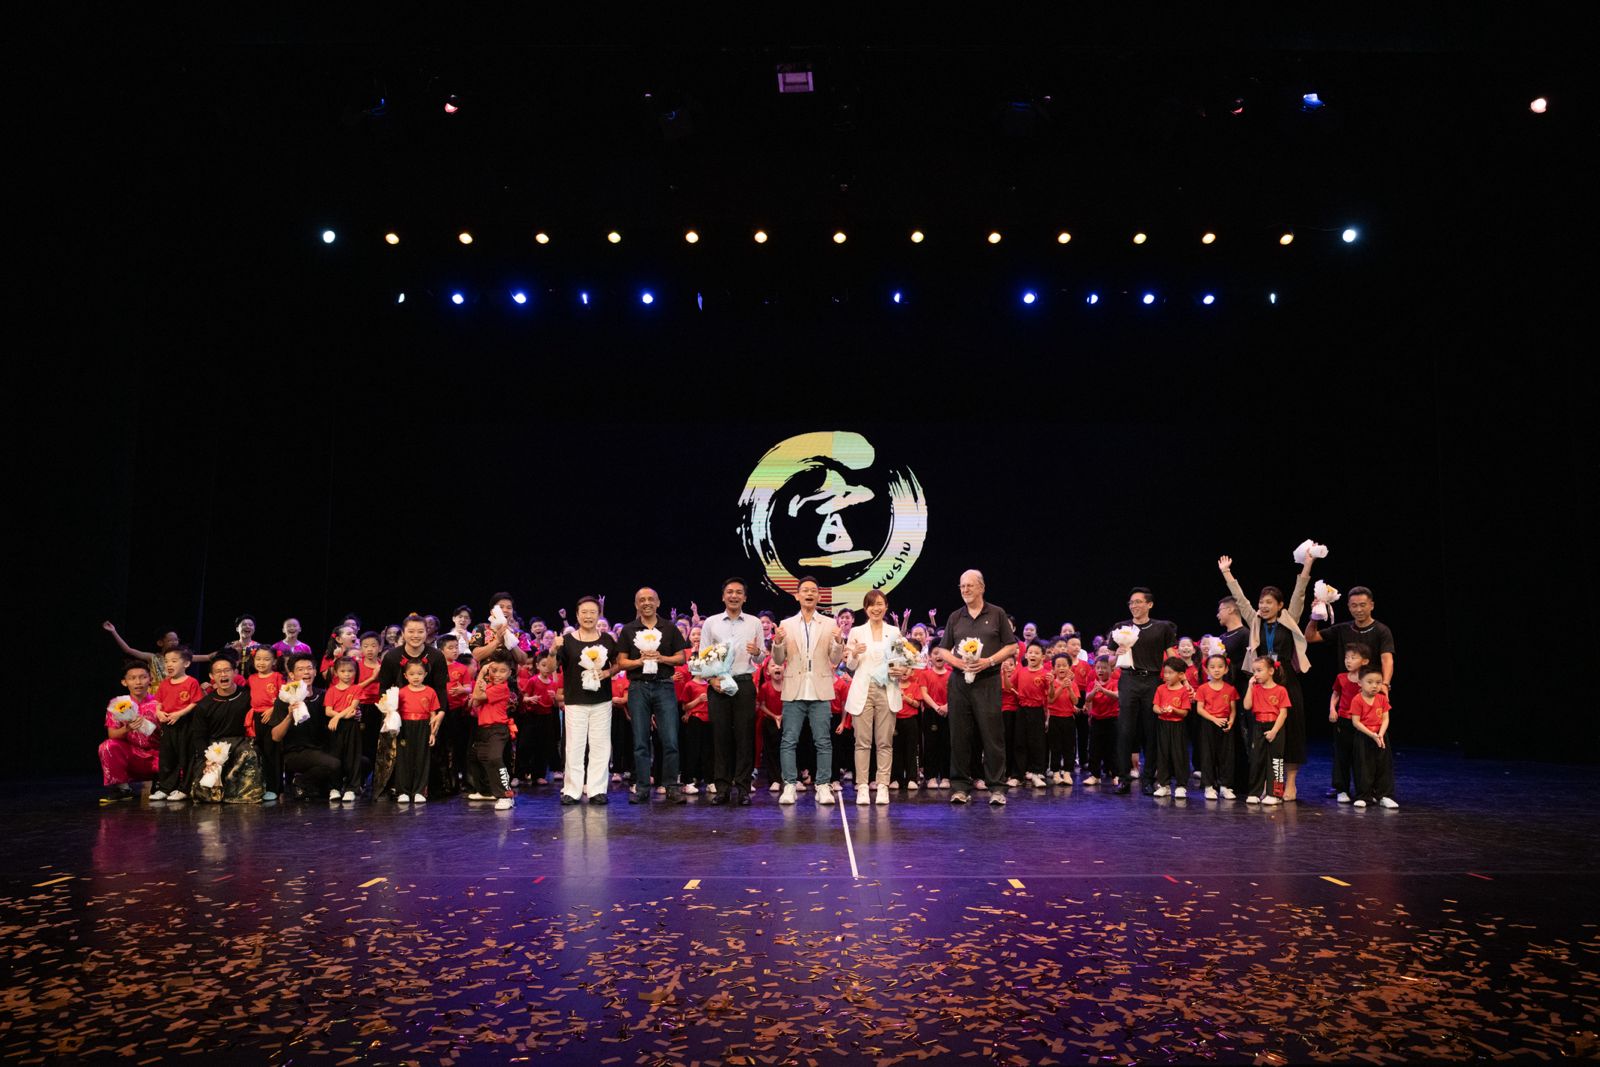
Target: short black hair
(766,615)
(1373,669)
(296,659)
(502,595)
(1175,663)
(1036,643)
(459,608)
(372,634)
(181,650)
(241,618)
(1142,589)
(803,579)
(1217,655)
(1360,649)
(135,665)
(448,637)
(1361,590)
(729,581)
(587,599)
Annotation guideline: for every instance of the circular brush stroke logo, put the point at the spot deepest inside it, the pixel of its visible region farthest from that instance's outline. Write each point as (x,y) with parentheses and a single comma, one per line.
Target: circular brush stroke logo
(821,502)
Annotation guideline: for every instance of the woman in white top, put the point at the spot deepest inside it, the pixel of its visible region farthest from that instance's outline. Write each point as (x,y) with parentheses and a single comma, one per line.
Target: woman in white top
(874,695)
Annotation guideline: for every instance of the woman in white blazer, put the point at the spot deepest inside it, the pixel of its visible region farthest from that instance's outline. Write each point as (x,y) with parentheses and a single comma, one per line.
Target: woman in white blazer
(874,696)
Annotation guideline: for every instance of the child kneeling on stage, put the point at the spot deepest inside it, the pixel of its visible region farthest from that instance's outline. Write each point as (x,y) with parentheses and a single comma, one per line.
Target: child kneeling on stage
(1268,702)
(1217,704)
(420,716)
(130,753)
(1373,758)
(491,706)
(1171,705)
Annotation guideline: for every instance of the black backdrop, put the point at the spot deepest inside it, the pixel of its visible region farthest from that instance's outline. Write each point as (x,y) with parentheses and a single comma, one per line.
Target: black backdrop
(246,424)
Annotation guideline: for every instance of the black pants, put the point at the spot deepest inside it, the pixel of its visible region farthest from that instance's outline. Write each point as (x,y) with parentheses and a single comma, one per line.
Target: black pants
(907,741)
(489,755)
(346,748)
(1135,719)
(733,734)
(1344,738)
(411,761)
(935,744)
(176,753)
(975,717)
(444,773)
(1374,769)
(316,772)
(1172,754)
(844,751)
(1080,726)
(459,724)
(1061,740)
(1102,748)
(1013,769)
(522,748)
(537,751)
(1266,761)
(271,753)
(621,739)
(697,765)
(771,741)
(1216,755)
(1028,749)
(371,720)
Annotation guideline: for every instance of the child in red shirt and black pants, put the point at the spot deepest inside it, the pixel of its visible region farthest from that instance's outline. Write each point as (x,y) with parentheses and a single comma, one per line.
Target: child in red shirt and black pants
(491,705)
(1216,706)
(1171,703)
(1268,703)
(1061,706)
(1103,707)
(1345,688)
(1373,759)
(420,716)
(1028,757)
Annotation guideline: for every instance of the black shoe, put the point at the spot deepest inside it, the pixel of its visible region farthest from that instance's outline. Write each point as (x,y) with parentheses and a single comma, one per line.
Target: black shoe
(743,796)
(676,796)
(1148,789)
(599,799)
(567,801)
(719,798)
(1123,790)
(636,797)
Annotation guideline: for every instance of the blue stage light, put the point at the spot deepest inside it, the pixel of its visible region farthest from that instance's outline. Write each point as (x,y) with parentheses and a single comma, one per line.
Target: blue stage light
(1094,298)
(457,298)
(519,297)
(1208,300)
(584,298)
(327,237)
(1310,102)
(700,301)
(647,297)
(899,297)
(401,299)
(1350,236)
(1029,297)
(1149,298)
(1272,298)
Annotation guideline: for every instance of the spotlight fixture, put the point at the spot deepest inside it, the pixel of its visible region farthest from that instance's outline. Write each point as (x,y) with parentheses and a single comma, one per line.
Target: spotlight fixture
(1030,297)
(542,237)
(917,237)
(1208,238)
(1272,298)
(1063,237)
(647,297)
(614,237)
(464,237)
(1208,300)
(994,237)
(1287,239)
(1140,238)
(519,297)
(761,237)
(1349,236)
(451,105)
(328,237)
(839,237)
(691,237)
(391,238)
(899,297)
(1539,105)
(401,299)
(583,298)
(457,298)
(1094,298)
(1311,102)
(1149,298)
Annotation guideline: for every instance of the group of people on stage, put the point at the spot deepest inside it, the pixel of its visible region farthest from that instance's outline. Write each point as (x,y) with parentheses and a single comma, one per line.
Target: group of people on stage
(673,707)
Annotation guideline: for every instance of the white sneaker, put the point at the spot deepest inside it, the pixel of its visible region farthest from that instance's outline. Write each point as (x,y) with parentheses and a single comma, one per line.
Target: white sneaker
(1271,800)
(883,794)
(774,788)
(1344,798)
(268,796)
(1360,803)
(1135,774)
(333,794)
(1180,792)
(1091,780)
(911,786)
(1387,802)
(1211,794)
(556,776)
(824,796)
(836,785)
(997,799)
(420,798)
(177,795)
(800,787)
(1227,794)
(661,790)
(403,798)
(864,794)
(1162,791)
(1252,799)
(504,804)
(690,789)
(349,794)
(479,796)
(787,796)
(158,795)
(1012,783)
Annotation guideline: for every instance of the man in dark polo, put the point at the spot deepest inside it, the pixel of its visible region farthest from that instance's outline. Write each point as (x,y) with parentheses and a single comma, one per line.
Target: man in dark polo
(975,706)
(1136,688)
(651,697)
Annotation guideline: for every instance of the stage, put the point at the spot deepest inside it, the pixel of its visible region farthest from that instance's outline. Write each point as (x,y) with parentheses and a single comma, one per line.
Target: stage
(1053,930)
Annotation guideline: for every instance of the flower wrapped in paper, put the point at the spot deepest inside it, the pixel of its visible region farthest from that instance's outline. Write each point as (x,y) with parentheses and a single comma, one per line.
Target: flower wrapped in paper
(1125,637)
(970,649)
(294,694)
(216,757)
(593,658)
(713,663)
(1323,597)
(1213,646)
(897,653)
(389,705)
(648,641)
(1309,549)
(124,712)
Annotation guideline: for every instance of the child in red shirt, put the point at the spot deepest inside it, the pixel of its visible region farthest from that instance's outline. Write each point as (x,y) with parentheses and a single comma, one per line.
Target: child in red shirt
(420,716)
(536,723)
(1216,706)
(1345,688)
(1103,708)
(342,705)
(696,719)
(1062,697)
(1268,703)
(1373,758)
(844,734)
(1172,701)
(264,685)
(1025,746)
(769,722)
(176,697)
(1083,678)
(903,770)
(491,706)
(933,681)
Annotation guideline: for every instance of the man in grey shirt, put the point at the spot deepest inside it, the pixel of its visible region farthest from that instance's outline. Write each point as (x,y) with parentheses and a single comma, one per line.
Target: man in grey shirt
(733,718)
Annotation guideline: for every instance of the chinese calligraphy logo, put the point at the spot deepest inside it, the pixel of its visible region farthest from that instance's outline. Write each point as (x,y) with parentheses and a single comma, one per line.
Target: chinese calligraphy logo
(822,504)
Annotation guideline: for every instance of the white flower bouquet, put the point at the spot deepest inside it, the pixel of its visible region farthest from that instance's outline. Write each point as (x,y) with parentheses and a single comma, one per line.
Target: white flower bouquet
(713,663)
(1125,637)
(970,649)
(216,758)
(1323,597)
(648,641)
(389,705)
(1309,548)
(593,658)
(294,694)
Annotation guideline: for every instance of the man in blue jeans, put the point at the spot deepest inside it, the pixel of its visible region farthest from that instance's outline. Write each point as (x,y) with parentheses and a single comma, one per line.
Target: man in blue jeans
(648,651)
(810,646)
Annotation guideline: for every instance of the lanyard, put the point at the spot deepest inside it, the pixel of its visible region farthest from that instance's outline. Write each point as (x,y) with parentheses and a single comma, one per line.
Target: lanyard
(806,626)
(1269,630)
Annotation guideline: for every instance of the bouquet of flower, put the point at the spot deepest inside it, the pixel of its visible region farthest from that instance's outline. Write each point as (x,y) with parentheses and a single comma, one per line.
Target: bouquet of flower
(294,694)
(1213,646)
(714,662)
(389,705)
(901,653)
(216,756)
(1125,638)
(1309,548)
(593,658)
(124,712)
(970,649)
(648,641)
(1323,597)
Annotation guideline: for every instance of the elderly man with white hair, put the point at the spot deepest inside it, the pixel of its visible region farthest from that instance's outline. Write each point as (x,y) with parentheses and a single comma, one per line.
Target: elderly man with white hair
(977,639)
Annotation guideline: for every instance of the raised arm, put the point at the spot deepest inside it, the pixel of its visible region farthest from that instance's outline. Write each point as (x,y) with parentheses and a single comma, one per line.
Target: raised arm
(1247,611)
(133,652)
(1297,599)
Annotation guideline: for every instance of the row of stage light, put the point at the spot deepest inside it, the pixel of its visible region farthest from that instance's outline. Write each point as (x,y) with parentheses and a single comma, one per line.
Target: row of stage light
(899,297)
(1348,235)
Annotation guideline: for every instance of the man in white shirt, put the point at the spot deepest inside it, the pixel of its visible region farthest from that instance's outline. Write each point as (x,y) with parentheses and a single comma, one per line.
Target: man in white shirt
(733,718)
(811,646)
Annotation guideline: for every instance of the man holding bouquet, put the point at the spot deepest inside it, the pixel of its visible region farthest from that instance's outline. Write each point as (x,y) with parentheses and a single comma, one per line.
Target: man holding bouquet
(733,715)
(977,639)
(643,650)
(1136,687)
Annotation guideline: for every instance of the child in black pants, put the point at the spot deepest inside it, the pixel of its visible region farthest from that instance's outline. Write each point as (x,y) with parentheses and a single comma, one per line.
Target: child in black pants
(1345,688)
(420,716)
(1374,761)
(1101,704)
(1171,706)
(1217,706)
(1268,703)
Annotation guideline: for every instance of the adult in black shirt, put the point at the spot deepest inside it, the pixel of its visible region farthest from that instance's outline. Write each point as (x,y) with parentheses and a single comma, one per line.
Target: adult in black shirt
(221,716)
(1136,688)
(652,697)
(588,711)
(975,705)
(1360,629)
(304,744)
(414,648)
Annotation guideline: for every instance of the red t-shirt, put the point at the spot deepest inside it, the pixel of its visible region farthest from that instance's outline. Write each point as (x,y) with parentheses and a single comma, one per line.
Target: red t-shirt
(367,682)
(417,706)
(1083,674)
(1267,702)
(1065,702)
(174,695)
(263,692)
(541,692)
(1347,691)
(912,691)
(1008,692)
(1030,685)
(841,689)
(457,674)
(342,699)
(1216,702)
(1371,714)
(935,685)
(1170,703)
(1191,674)
(693,689)
(769,700)
(1104,705)
(494,709)
(619,688)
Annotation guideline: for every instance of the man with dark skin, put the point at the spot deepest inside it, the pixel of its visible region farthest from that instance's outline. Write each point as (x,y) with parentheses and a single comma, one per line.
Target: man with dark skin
(651,698)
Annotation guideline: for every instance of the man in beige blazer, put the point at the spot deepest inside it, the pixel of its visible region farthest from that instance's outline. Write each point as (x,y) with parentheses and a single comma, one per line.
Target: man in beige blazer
(811,646)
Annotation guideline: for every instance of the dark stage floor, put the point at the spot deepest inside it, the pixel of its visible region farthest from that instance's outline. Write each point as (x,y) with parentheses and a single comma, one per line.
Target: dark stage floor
(1056,930)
